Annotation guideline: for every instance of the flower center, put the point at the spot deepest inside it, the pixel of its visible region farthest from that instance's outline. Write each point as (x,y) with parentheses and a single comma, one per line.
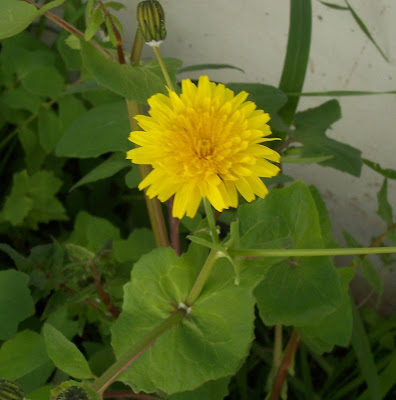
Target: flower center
(204,148)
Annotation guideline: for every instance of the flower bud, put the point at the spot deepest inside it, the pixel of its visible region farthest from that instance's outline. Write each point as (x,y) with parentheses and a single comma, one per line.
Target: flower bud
(151,20)
(73,393)
(10,390)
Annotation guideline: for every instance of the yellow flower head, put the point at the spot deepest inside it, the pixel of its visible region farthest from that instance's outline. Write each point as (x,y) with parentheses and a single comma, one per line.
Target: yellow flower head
(204,143)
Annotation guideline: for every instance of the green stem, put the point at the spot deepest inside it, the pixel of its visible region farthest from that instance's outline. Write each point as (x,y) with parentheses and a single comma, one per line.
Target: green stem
(211,221)
(310,252)
(163,68)
(202,277)
(109,376)
(153,205)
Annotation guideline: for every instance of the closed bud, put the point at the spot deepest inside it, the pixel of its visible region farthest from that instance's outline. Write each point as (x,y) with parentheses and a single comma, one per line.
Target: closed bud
(73,393)
(151,20)
(10,390)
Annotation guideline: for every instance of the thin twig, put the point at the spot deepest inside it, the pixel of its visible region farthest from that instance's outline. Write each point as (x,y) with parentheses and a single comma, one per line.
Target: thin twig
(127,394)
(290,352)
(102,293)
(68,27)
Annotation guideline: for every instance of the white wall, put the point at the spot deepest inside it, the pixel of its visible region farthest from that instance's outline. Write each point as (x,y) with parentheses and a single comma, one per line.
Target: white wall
(252,34)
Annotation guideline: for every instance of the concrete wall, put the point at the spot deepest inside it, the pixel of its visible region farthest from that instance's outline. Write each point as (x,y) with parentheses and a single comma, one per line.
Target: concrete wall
(252,34)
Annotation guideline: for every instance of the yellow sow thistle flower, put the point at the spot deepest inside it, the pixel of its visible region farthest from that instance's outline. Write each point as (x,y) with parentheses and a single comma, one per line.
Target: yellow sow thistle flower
(204,143)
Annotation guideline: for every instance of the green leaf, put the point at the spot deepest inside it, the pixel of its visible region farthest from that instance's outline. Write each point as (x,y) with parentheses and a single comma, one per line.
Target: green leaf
(37,377)
(20,261)
(50,129)
(329,240)
(106,128)
(61,320)
(96,19)
(311,126)
(16,303)
(387,172)
(19,99)
(50,5)
(70,108)
(335,6)
(15,16)
(104,170)
(65,355)
(297,54)
(133,177)
(268,98)
(200,67)
(92,232)
(293,292)
(212,390)
(32,199)
(43,81)
(335,328)
(34,153)
(22,355)
(385,210)
(139,242)
(115,5)
(365,30)
(70,56)
(361,346)
(133,83)
(41,393)
(304,160)
(219,327)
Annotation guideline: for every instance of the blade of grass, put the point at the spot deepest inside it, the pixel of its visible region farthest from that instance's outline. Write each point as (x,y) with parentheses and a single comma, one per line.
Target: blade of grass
(297,55)
(335,6)
(365,30)
(361,345)
(387,379)
(340,93)
(200,67)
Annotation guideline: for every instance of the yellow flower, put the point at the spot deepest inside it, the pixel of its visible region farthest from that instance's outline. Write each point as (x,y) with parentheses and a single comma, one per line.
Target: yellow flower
(204,143)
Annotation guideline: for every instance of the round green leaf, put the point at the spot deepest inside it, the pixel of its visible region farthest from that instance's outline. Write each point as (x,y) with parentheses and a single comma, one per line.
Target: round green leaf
(15,16)
(208,344)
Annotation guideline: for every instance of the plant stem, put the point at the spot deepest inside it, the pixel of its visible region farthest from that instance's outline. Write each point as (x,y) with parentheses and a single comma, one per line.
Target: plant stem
(102,293)
(284,367)
(211,221)
(69,28)
(277,348)
(174,223)
(109,376)
(153,205)
(202,277)
(163,68)
(310,252)
(117,34)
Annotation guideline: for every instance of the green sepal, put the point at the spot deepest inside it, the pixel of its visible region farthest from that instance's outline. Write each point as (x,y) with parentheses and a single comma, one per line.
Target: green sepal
(72,390)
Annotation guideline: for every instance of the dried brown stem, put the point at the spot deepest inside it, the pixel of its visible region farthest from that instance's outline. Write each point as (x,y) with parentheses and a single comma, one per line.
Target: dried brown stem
(290,352)
(285,144)
(68,27)
(102,293)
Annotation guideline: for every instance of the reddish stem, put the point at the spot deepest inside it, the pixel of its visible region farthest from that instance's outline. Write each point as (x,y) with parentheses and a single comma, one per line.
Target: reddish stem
(68,27)
(174,224)
(290,352)
(102,293)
